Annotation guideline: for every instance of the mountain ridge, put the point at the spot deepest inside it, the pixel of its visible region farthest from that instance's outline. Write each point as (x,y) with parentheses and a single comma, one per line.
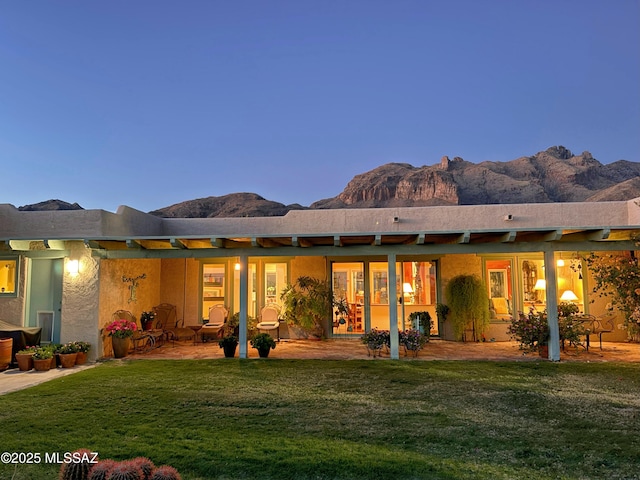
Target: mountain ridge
(553,175)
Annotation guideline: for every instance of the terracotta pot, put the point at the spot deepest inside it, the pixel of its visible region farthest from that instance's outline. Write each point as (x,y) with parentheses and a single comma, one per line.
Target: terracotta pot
(6,349)
(25,361)
(81,358)
(42,365)
(68,360)
(120,346)
(543,351)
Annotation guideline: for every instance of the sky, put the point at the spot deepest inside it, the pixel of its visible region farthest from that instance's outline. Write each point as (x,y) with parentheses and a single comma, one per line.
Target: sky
(149,103)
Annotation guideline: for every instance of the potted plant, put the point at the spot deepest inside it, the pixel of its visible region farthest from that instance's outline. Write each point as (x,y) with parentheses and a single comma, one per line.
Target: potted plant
(147,319)
(68,353)
(412,341)
(308,303)
(228,345)
(42,359)
(421,321)
(374,340)
(263,342)
(83,349)
(24,358)
(530,330)
(121,331)
(468,305)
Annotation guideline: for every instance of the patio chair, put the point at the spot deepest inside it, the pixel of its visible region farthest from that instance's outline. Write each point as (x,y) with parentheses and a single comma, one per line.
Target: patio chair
(603,324)
(218,315)
(167,321)
(270,319)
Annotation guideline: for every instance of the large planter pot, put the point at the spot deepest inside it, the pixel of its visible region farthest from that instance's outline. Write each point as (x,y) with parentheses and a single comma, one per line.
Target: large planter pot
(68,360)
(6,350)
(263,352)
(120,346)
(81,358)
(25,361)
(42,365)
(230,350)
(543,351)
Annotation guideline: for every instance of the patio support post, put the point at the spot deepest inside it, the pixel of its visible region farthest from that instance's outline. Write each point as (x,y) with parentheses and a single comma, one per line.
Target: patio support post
(552,306)
(393,307)
(244,289)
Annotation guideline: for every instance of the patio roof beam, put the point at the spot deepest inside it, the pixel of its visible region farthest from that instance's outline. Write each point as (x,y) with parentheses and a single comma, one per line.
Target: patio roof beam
(176,243)
(92,244)
(53,244)
(464,237)
(217,242)
(553,236)
(133,244)
(508,237)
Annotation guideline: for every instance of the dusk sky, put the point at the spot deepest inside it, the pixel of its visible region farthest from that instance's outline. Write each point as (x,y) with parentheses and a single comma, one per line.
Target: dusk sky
(148,103)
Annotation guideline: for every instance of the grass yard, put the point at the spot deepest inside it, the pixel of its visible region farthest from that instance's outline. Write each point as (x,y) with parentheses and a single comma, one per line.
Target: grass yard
(317,419)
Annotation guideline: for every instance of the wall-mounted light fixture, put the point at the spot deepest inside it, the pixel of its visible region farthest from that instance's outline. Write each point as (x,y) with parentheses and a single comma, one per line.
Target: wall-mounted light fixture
(237,266)
(396,219)
(73,267)
(508,218)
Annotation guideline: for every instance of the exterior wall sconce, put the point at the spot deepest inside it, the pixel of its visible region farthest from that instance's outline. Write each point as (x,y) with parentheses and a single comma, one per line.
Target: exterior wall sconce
(73,267)
(508,218)
(396,219)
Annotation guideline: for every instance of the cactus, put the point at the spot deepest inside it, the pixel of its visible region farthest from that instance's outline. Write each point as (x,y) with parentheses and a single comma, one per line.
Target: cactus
(77,470)
(126,470)
(145,465)
(165,472)
(100,471)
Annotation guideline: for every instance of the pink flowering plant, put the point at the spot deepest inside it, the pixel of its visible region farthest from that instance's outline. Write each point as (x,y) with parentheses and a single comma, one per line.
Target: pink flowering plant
(531,330)
(121,328)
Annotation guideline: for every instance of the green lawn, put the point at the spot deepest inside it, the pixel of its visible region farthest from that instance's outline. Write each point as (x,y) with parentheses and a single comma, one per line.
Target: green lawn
(303,419)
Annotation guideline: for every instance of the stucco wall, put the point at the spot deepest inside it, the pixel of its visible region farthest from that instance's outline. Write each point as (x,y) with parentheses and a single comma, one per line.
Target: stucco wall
(115,294)
(180,286)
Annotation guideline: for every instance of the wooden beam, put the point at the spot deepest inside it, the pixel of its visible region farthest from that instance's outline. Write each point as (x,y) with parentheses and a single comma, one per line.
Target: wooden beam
(552,236)
(217,242)
(336,241)
(176,243)
(465,237)
(420,239)
(377,240)
(508,237)
(92,244)
(133,244)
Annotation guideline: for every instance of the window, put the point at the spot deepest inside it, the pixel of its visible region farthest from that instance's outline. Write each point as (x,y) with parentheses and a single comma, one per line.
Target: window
(213,287)
(275,280)
(8,276)
(418,283)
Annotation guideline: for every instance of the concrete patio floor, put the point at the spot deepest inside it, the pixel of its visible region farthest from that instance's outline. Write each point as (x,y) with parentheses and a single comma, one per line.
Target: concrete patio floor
(341,349)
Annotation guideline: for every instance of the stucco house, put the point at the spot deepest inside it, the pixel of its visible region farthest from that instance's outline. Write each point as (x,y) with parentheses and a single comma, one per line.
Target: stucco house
(68,271)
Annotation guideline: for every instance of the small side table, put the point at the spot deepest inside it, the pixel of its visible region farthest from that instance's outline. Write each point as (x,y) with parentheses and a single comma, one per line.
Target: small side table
(196,329)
